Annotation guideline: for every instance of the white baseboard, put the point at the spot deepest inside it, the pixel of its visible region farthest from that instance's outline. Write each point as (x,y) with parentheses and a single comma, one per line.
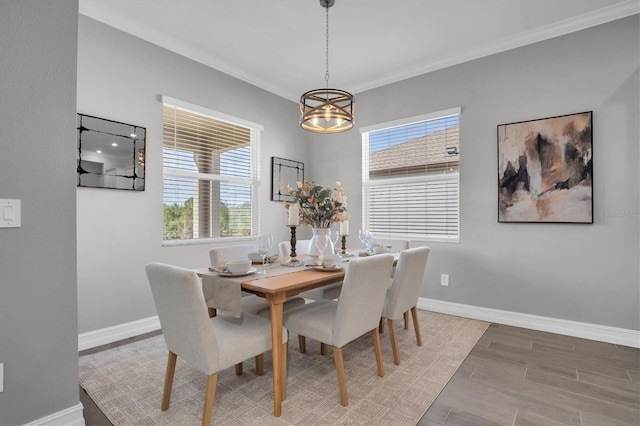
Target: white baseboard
(103,336)
(71,416)
(603,333)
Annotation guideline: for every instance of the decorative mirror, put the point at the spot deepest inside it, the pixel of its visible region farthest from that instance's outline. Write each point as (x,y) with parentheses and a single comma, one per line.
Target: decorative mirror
(110,154)
(284,173)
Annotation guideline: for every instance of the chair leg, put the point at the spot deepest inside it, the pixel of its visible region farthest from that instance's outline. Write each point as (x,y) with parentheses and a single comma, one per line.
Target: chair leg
(168,380)
(323,348)
(342,379)
(259,365)
(239,369)
(285,353)
(381,326)
(302,342)
(394,342)
(406,320)
(416,326)
(378,351)
(209,397)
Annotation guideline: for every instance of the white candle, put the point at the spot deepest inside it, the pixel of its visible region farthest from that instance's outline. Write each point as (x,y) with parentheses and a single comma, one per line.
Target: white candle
(344,227)
(294,215)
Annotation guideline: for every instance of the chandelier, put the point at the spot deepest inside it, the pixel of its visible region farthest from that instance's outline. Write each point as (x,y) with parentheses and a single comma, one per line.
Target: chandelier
(326,110)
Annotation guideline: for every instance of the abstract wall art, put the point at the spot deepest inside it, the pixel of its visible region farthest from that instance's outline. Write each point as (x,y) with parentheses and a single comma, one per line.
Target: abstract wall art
(545,170)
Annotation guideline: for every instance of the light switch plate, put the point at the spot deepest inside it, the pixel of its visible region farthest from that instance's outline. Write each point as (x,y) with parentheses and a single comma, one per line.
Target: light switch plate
(444,279)
(9,213)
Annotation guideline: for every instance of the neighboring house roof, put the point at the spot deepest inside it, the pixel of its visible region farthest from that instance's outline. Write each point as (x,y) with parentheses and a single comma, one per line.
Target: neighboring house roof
(426,153)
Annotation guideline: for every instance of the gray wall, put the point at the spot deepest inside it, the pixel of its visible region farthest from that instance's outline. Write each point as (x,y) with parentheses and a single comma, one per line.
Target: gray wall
(586,273)
(121,78)
(38,305)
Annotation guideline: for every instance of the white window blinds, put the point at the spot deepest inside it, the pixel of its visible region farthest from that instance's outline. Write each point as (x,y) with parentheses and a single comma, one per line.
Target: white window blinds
(411,177)
(210,175)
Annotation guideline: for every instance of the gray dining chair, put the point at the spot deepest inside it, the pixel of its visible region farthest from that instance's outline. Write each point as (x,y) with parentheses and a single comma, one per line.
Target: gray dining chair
(302,247)
(250,302)
(210,345)
(403,293)
(356,313)
(331,291)
(396,244)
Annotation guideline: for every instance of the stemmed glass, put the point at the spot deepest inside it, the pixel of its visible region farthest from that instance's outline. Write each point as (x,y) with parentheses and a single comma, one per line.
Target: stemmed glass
(265,241)
(362,235)
(369,241)
(335,237)
(322,241)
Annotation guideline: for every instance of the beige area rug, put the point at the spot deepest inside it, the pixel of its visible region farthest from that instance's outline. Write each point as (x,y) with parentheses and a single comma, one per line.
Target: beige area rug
(126,382)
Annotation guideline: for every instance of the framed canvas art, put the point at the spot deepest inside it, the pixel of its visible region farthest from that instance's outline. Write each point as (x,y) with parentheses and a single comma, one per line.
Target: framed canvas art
(545,170)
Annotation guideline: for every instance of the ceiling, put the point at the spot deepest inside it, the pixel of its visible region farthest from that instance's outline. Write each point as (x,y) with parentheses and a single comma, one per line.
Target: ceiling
(279,45)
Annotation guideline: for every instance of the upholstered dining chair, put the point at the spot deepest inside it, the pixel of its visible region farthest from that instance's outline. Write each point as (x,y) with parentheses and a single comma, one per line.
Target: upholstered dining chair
(250,302)
(302,247)
(354,314)
(331,291)
(396,244)
(403,293)
(210,345)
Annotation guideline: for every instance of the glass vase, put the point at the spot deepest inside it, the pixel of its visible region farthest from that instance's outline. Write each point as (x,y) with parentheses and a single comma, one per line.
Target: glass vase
(314,252)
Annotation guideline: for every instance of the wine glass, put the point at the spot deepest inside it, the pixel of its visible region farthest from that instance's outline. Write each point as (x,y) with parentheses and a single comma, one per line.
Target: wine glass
(322,241)
(369,241)
(362,235)
(335,237)
(265,241)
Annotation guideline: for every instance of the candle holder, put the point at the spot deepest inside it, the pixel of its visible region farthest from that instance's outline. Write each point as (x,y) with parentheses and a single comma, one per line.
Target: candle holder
(344,244)
(293,260)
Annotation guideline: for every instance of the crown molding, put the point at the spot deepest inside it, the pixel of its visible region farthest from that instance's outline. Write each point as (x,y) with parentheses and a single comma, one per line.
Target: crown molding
(100,12)
(567,26)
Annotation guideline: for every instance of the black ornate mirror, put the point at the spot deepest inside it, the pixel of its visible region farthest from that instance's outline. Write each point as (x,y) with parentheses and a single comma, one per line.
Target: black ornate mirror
(284,173)
(110,154)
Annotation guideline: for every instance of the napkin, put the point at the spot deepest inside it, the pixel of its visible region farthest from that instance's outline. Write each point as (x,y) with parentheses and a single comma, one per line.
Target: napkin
(223,294)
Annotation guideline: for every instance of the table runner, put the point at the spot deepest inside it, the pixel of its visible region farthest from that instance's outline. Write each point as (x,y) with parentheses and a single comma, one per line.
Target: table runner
(225,293)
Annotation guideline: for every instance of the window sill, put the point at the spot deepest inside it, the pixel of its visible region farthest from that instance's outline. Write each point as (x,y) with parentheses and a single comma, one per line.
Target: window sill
(200,241)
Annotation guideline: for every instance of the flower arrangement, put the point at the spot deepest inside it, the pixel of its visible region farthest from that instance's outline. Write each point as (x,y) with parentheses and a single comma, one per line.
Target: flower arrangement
(320,206)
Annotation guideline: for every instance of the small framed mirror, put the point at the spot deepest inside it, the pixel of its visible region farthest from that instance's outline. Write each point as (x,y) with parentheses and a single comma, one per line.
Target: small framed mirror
(110,154)
(284,173)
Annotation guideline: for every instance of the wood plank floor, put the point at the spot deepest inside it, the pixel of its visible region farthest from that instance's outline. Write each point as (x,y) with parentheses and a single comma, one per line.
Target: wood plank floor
(515,376)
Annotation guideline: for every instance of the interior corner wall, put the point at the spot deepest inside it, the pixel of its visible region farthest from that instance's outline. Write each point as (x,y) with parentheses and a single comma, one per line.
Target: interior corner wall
(38,303)
(121,78)
(584,273)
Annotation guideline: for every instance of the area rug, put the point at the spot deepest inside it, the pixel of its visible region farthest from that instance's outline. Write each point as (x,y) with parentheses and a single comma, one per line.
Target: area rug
(126,382)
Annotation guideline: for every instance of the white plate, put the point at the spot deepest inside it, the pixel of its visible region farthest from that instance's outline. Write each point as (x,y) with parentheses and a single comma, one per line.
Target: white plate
(323,269)
(229,274)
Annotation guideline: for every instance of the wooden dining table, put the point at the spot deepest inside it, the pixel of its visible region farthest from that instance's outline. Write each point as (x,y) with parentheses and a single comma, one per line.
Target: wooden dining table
(276,289)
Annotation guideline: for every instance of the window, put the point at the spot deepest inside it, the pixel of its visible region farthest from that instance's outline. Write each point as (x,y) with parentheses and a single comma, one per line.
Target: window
(411,177)
(211,173)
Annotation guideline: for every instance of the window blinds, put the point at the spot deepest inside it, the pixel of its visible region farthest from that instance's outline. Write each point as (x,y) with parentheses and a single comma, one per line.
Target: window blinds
(411,185)
(209,178)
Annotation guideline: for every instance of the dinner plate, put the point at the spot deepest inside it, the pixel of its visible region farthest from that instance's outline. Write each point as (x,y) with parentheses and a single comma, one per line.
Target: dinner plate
(229,274)
(332,269)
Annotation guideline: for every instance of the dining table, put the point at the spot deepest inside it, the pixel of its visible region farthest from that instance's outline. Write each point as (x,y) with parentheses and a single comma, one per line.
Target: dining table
(279,283)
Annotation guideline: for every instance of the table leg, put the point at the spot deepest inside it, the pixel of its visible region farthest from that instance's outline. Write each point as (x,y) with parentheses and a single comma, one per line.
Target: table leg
(277,351)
